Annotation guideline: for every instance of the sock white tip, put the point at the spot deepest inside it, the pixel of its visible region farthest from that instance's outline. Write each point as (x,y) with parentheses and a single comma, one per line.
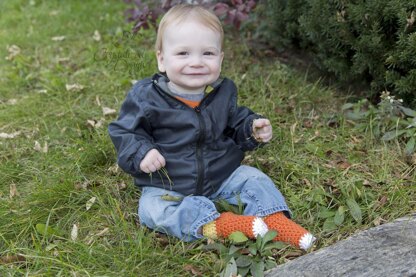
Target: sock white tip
(306,241)
(259,227)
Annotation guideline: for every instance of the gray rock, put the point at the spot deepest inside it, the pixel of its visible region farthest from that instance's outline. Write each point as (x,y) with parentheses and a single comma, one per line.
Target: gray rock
(385,250)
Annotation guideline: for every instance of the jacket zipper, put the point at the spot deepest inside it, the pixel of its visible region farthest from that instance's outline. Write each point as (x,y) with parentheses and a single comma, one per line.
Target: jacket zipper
(199,159)
(200,162)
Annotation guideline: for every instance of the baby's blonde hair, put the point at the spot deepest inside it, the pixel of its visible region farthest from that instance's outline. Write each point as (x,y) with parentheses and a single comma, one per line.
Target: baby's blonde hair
(181,12)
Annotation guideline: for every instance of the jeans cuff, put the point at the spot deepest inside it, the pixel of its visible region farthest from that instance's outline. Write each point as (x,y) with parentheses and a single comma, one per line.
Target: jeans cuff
(198,225)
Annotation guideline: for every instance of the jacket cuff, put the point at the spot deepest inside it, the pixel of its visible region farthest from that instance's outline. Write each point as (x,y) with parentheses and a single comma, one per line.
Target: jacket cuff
(251,141)
(141,152)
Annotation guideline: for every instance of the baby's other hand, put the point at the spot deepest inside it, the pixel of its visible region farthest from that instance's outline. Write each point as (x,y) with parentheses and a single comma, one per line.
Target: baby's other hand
(153,161)
(262,130)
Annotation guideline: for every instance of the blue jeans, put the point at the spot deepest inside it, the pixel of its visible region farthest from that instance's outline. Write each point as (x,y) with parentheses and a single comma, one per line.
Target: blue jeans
(184,218)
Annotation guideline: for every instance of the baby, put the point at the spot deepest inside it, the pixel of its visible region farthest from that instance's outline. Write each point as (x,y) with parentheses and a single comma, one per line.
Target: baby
(181,134)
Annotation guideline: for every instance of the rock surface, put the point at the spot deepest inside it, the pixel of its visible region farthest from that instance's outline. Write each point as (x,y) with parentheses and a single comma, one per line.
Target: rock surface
(385,250)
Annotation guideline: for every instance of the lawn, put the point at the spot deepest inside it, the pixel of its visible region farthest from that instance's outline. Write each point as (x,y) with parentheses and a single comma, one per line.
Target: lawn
(67,210)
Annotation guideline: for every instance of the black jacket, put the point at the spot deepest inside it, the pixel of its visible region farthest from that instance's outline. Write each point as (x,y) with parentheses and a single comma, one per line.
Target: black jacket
(201,146)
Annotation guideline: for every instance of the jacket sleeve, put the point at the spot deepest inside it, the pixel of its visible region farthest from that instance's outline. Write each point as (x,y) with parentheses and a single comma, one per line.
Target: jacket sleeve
(240,126)
(130,134)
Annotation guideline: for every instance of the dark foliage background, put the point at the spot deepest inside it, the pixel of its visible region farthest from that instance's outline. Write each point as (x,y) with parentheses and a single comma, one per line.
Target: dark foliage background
(369,42)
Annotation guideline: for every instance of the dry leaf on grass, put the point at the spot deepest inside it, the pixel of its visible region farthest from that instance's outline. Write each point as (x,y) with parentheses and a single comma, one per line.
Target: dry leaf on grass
(97,100)
(90,202)
(9,136)
(81,186)
(192,269)
(12,259)
(108,111)
(58,38)
(13,50)
(74,87)
(95,123)
(122,186)
(74,232)
(90,238)
(39,148)
(11,101)
(13,191)
(62,60)
(114,169)
(96,36)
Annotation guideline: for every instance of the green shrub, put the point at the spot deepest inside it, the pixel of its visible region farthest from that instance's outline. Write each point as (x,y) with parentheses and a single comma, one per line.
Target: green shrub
(357,41)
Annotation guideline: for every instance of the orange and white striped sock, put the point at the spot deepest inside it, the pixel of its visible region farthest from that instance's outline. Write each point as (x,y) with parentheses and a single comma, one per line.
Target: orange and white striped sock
(288,231)
(228,223)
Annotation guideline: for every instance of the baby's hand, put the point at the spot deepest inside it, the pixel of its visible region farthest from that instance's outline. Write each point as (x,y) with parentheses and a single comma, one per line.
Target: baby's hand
(153,161)
(262,130)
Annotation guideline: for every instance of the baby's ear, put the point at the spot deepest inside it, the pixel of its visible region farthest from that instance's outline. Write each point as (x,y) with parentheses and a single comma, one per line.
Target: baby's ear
(159,56)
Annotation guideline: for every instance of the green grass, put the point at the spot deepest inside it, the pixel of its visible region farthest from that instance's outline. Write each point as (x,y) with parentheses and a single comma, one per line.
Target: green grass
(318,166)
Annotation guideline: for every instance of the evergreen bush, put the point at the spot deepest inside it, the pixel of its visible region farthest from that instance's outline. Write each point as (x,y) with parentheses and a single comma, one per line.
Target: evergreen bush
(371,41)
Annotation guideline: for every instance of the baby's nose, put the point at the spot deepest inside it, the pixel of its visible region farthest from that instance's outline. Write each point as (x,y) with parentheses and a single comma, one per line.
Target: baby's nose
(196,61)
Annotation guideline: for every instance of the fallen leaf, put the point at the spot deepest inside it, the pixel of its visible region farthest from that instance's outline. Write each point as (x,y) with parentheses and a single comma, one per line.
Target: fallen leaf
(82,186)
(279,110)
(54,12)
(13,50)
(378,221)
(97,100)
(74,87)
(90,237)
(307,123)
(293,254)
(343,164)
(13,191)
(381,202)
(306,182)
(192,269)
(411,20)
(168,197)
(39,148)
(96,36)
(293,128)
(90,202)
(11,101)
(367,183)
(74,232)
(58,38)
(95,123)
(62,60)
(162,239)
(114,169)
(9,136)
(102,232)
(108,111)
(355,139)
(122,186)
(12,259)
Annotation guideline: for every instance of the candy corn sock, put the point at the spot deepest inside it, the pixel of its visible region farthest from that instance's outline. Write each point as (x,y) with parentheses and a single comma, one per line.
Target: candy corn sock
(288,231)
(228,223)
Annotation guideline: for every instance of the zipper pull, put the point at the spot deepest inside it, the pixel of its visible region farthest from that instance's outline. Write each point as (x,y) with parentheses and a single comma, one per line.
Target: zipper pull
(197,109)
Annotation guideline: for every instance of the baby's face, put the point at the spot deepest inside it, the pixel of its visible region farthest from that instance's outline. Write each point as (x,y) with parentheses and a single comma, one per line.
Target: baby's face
(191,55)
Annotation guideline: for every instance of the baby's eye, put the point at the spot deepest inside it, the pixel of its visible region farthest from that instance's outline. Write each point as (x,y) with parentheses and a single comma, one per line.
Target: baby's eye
(183,53)
(209,53)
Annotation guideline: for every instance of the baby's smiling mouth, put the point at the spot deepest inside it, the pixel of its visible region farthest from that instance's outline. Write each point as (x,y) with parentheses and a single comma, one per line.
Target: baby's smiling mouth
(195,74)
